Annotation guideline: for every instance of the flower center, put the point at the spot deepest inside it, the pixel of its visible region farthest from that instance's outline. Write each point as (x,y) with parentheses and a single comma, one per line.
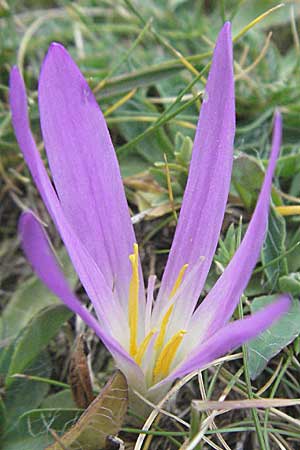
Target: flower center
(165,354)
(179,280)
(164,361)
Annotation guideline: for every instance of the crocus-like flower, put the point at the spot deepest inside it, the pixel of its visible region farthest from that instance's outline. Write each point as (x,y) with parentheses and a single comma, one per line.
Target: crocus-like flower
(152,342)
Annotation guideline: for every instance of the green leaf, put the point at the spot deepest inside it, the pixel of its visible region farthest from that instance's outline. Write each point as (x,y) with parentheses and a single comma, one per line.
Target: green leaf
(183,149)
(288,165)
(35,336)
(293,258)
(61,399)
(24,441)
(29,298)
(140,78)
(229,245)
(278,336)
(25,394)
(2,416)
(274,246)
(5,356)
(256,286)
(36,421)
(247,178)
(290,283)
(22,396)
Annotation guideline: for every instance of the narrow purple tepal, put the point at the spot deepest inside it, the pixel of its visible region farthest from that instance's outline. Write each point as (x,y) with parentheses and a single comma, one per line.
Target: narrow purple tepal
(153,341)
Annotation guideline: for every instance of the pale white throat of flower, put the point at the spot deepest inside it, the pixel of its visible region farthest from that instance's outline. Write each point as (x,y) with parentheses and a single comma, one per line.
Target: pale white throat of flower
(163,351)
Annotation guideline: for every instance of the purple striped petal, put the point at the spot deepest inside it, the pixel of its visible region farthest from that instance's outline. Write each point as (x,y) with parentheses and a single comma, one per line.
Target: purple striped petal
(232,336)
(89,274)
(37,250)
(84,168)
(39,254)
(223,298)
(206,193)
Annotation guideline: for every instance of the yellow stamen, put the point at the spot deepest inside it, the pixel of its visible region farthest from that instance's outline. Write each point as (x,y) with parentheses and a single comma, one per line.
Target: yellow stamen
(163,328)
(167,355)
(143,347)
(179,280)
(133,306)
(288,210)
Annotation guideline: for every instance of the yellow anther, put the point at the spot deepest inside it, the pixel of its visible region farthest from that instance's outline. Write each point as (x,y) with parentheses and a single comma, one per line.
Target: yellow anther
(166,356)
(289,210)
(143,347)
(179,280)
(133,303)
(163,328)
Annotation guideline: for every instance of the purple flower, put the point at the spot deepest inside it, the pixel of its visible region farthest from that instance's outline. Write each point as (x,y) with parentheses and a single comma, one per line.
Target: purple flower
(152,342)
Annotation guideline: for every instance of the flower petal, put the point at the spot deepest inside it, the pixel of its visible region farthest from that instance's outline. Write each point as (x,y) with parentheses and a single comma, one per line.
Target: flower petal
(206,193)
(84,167)
(89,274)
(36,247)
(38,252)
(221,301)
(232,336)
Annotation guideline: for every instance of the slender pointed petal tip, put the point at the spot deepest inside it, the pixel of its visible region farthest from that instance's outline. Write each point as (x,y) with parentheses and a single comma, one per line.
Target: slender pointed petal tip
(55,51)
(56,45)
(13,72)
(278,113)
(224,37)
(83,164)
(207,188)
